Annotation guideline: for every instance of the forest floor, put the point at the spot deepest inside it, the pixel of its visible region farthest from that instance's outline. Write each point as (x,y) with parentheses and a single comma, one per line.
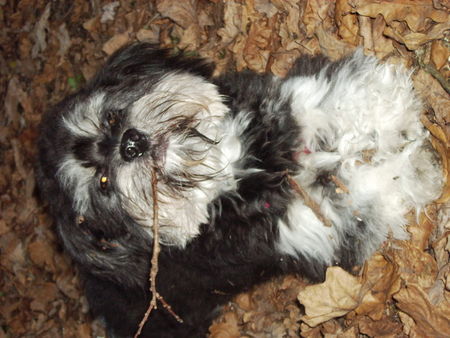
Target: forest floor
(48,49)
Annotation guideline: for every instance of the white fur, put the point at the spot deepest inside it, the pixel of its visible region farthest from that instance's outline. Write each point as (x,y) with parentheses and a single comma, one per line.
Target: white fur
(76,178)
(84,119)
(366,108)
(181,213)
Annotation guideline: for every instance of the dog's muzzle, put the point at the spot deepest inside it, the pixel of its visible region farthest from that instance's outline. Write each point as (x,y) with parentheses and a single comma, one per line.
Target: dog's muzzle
(133,145)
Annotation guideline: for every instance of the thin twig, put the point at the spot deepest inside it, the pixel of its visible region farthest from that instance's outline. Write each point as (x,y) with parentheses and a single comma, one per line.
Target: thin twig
(341,187)
(169,308)
(154,261)
(309,202)
(430,69)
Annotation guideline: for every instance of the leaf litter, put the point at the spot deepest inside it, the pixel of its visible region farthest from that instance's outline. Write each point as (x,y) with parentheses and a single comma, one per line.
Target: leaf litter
(403,290)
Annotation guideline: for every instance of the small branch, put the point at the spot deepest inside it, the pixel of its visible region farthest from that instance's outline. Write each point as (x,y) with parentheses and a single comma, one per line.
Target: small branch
(169,308)
(341,187)
(430,69)
(309,202)
(154,262)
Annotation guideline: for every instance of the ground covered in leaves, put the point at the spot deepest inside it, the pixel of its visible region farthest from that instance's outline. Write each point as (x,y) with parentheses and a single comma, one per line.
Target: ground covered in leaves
(50,48)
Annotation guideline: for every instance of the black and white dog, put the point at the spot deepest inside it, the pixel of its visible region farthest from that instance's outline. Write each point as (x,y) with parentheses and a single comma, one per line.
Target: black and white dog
(226,151)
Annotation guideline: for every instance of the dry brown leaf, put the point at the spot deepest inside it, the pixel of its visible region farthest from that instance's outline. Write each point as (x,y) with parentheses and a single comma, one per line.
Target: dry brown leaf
(310,332)
(350,333)
(414,265)
(64,40)
(382,46)
(338,295)
(256,50)
(429,321)
(244,301)
(316,14)
(365,30)
(183,13)
(283,61)
(421,230)
(116,42)
(42,295)
(4,228)
(292,20)
(416,13)
(347,22)
(380,280)
(435,96)
(190,38)
(265,7)
(15,96)
(384,327)
(331,45)
(235,21)
(441,248)
(40,32)
(109,11)
(227,327)
(41,253)
(413,40)
(236,47)
(440,54)
(149,35)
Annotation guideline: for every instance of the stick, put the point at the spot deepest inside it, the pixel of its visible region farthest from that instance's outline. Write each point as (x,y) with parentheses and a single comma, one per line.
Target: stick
(154,261)
(154,269)
(309,201)
(340,185)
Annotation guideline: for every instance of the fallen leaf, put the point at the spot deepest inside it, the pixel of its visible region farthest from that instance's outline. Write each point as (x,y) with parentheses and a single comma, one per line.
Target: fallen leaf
(440,54)
(265,7)
(4,228)
(190,38)
(429,321)
(257,45)
(116,42)
(380,279)
(316,14)
(422,228)
(416,13)
(283,61)
(15,96)
(183,13)
(148,35)
(383,327)
(227,327)
(109,11)
(64,40)
(347,22)
(40,32)
(338,295)
(42,295)
(41,253)
(331,45)
(435,96)
(414,265)
(235,21)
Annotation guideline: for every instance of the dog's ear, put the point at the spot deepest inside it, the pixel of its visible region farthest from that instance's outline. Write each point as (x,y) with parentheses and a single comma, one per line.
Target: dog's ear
(140,60)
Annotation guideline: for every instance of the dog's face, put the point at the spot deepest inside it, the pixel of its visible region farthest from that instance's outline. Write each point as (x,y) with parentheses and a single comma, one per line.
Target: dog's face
(144,111)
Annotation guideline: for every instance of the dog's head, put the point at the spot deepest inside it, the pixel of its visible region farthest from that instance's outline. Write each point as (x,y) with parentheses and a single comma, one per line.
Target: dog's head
(145,110)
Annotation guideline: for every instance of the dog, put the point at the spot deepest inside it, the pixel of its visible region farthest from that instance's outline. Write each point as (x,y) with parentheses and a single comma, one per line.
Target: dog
(257,176)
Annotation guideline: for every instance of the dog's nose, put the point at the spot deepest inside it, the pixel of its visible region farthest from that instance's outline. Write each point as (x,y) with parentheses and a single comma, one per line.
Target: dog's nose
(134,144)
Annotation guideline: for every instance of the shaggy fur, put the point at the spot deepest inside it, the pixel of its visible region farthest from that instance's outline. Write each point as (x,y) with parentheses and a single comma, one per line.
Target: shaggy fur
(223,149)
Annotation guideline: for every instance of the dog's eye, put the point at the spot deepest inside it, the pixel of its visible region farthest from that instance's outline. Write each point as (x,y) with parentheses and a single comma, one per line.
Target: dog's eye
(112,118)
(104,182)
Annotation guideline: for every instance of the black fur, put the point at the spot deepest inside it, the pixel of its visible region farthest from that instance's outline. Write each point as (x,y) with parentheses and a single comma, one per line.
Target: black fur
(235,251)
